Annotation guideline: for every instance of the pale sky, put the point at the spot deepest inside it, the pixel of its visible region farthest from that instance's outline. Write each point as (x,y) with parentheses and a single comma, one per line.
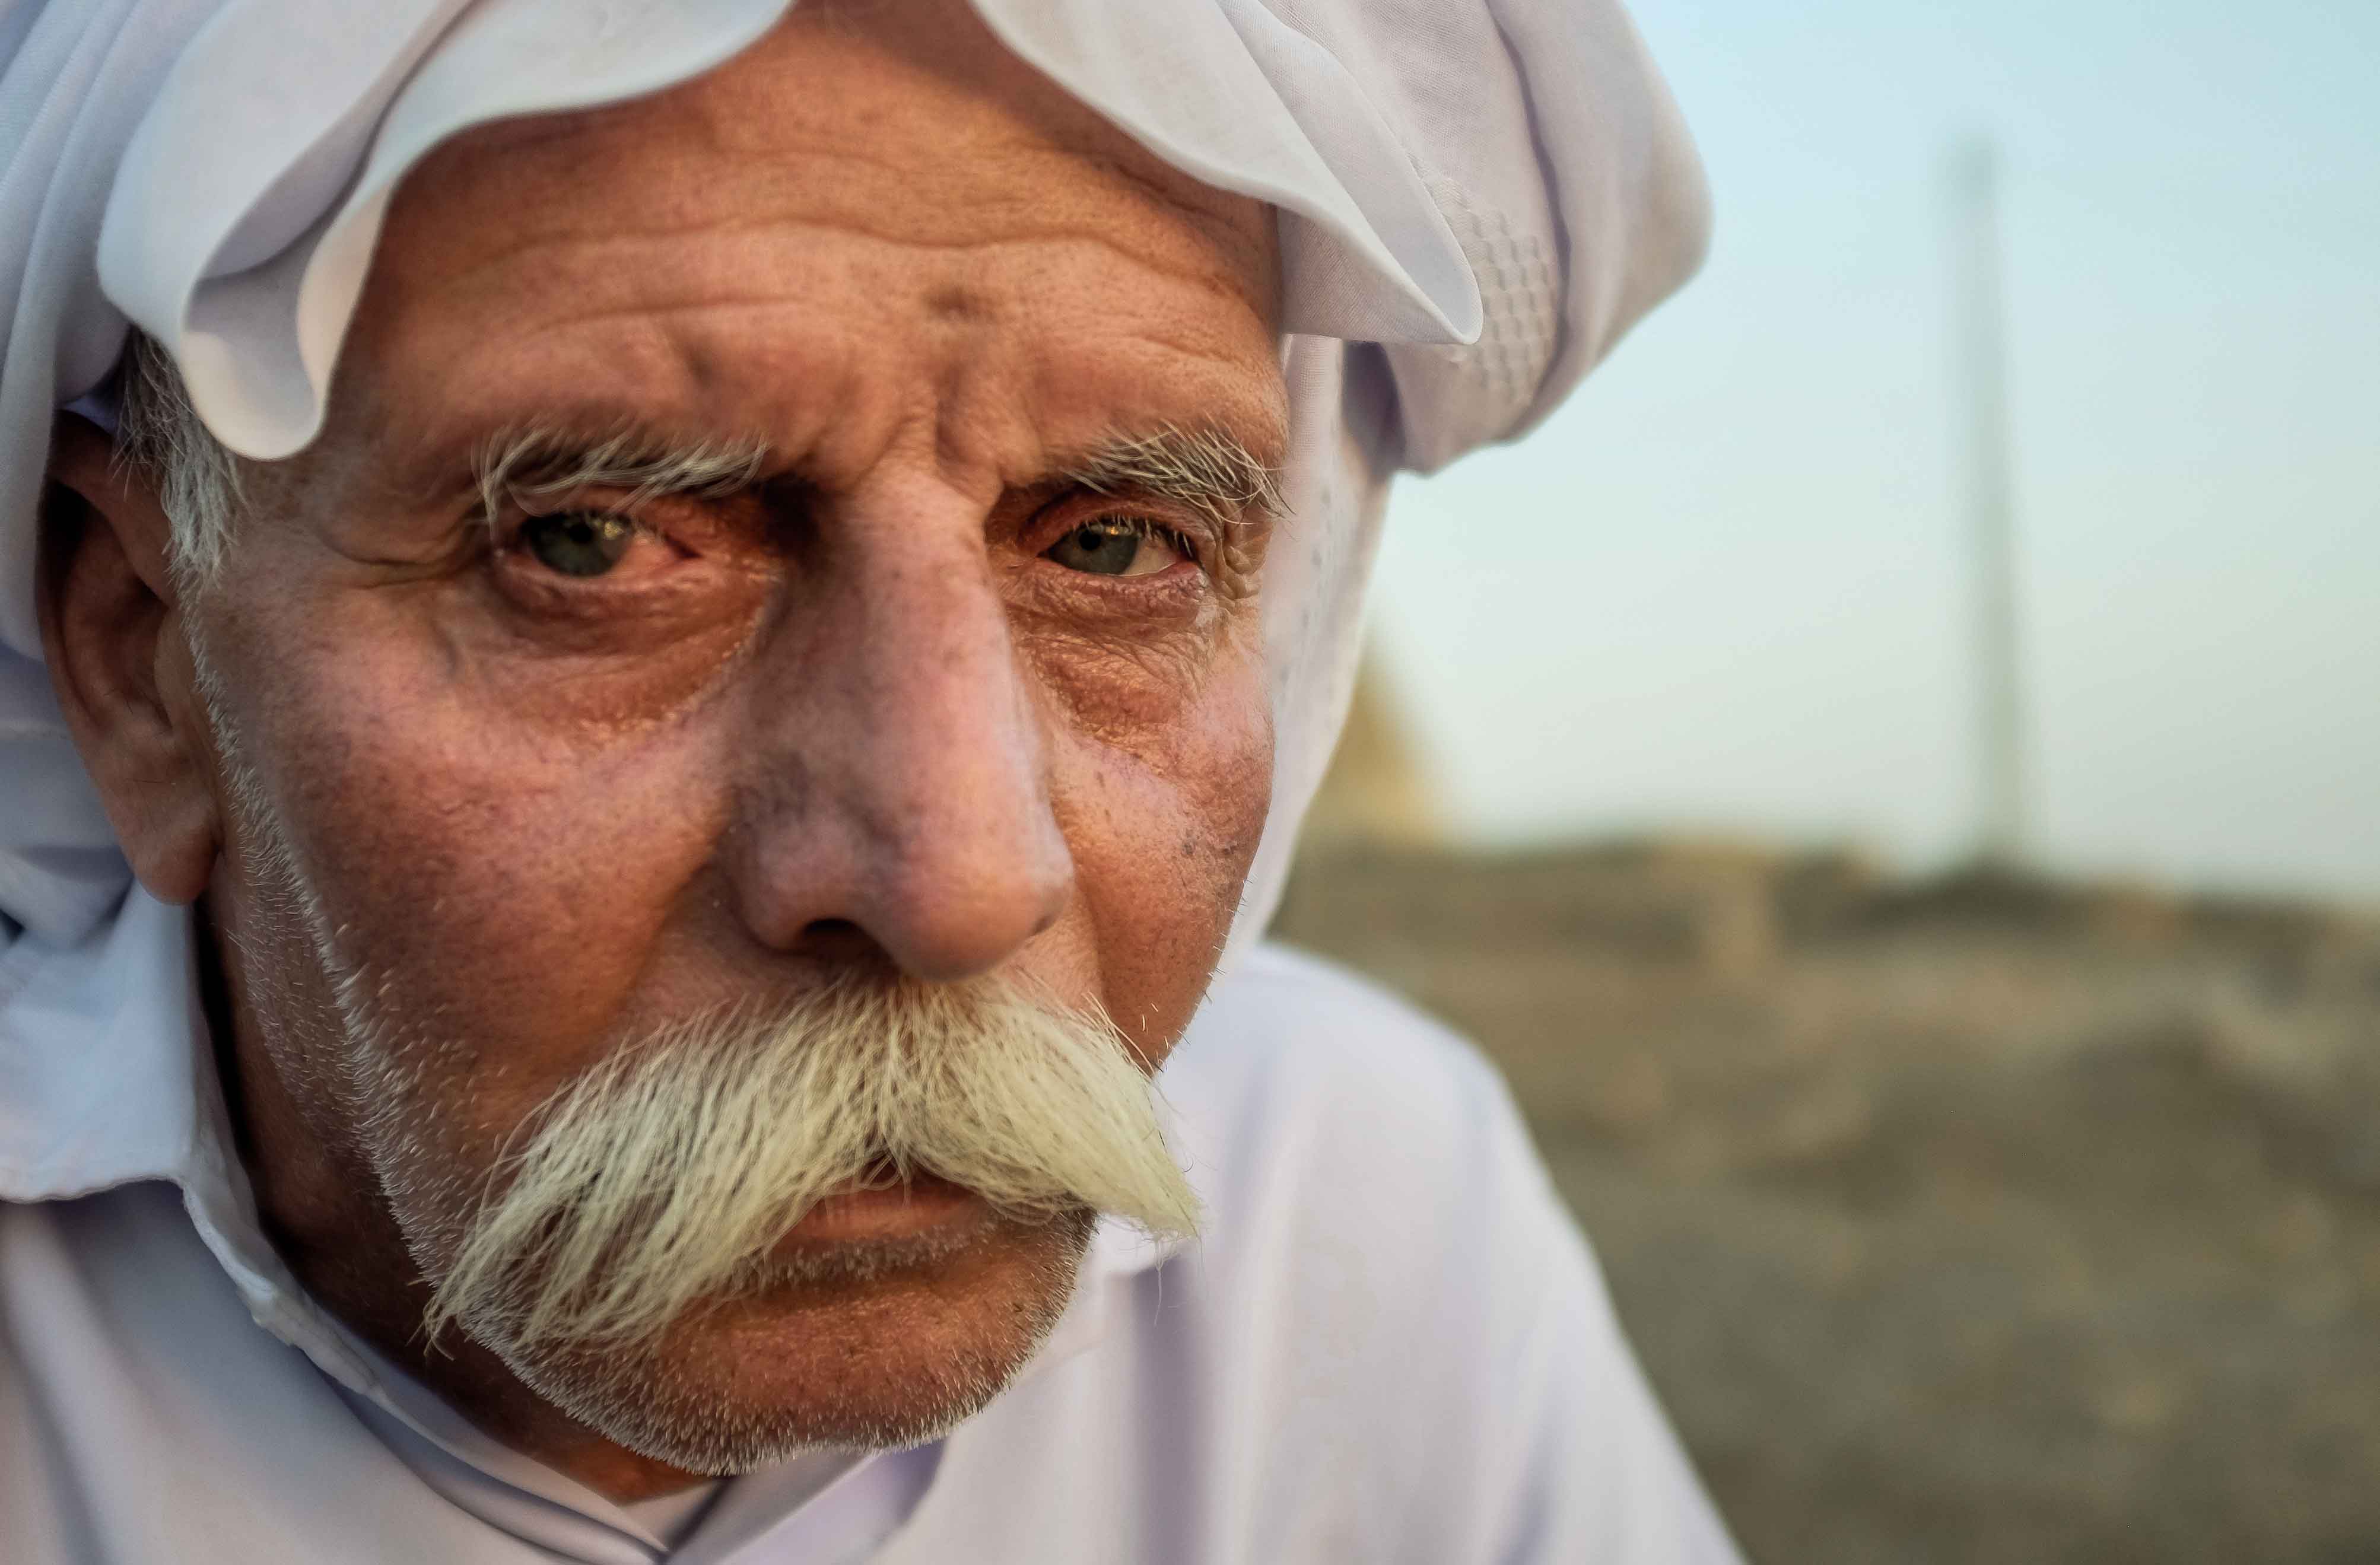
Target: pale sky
(1724,588)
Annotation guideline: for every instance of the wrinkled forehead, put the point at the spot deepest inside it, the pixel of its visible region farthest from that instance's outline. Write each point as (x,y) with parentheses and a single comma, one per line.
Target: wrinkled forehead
(217,239)
(862,196)
(910,118)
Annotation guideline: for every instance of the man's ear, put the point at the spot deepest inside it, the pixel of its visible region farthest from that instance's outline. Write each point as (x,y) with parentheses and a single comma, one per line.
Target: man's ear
(112,635)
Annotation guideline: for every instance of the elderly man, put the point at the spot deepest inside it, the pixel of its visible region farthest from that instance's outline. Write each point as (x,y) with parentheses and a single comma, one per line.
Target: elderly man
(679,800)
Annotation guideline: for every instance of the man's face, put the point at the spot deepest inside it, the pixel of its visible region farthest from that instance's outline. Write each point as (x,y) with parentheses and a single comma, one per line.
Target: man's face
(885,687)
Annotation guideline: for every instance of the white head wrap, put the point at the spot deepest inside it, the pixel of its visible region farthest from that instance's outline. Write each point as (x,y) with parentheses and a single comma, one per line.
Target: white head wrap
(1476,198)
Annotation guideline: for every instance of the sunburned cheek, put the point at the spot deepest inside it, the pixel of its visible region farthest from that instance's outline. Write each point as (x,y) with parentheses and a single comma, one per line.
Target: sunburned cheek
(497,882)
(1163,836)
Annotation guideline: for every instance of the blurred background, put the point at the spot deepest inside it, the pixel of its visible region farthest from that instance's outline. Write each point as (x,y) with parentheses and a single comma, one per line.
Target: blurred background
(1892,771)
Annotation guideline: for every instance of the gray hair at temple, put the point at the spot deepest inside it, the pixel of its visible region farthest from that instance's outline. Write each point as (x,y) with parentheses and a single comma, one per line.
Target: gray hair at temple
(161,439)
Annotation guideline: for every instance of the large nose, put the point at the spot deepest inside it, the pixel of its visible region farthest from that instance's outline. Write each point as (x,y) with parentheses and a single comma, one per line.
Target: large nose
(899,780)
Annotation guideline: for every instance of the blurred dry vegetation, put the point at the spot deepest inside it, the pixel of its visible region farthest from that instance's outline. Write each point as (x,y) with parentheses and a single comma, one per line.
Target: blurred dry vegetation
(1977,1218)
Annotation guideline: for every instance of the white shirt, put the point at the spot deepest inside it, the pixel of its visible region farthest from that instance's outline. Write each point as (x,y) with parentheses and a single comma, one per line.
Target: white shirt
(1390,1345)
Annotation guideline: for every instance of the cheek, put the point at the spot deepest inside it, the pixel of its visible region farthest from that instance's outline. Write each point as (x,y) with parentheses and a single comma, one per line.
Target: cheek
(1162,833)
(501,885)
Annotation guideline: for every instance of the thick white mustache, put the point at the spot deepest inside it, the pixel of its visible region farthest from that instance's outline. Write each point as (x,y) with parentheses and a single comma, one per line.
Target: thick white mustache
(660,1177)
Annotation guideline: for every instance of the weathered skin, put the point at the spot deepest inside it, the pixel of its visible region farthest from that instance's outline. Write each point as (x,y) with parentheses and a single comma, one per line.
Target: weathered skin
(851,715)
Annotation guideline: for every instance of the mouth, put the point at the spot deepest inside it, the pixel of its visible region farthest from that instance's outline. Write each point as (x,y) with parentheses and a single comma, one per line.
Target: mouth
(877,1207)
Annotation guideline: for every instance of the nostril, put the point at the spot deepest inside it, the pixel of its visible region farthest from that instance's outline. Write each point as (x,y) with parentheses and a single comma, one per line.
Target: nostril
(836,938)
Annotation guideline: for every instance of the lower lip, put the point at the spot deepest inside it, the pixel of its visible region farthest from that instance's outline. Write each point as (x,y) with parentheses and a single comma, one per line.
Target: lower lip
(901,1211)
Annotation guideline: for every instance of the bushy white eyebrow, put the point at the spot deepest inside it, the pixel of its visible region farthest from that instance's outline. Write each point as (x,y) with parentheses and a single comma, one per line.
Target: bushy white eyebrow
(1210,470)
(523,466)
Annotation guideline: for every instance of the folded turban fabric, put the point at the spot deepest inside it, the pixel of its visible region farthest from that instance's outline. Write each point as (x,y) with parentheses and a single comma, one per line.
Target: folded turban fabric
(1476,198)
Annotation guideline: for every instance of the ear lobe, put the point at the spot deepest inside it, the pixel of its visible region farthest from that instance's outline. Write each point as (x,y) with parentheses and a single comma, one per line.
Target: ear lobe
(111,634)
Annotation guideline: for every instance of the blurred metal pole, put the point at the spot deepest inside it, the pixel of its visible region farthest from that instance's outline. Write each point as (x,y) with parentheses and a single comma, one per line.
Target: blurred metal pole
(1982,397)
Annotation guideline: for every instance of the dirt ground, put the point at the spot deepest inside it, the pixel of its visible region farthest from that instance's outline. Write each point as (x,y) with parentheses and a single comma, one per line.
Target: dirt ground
(1975,1220)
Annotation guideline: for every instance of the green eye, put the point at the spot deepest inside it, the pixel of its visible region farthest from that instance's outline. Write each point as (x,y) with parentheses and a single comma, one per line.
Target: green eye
(1111,547)
(580,543)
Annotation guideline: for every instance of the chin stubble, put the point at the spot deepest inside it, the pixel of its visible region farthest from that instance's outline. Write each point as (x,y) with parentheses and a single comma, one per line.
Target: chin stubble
(649,1405)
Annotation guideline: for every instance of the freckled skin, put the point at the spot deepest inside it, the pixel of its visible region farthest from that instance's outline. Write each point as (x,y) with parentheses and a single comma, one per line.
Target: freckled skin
(851,715)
